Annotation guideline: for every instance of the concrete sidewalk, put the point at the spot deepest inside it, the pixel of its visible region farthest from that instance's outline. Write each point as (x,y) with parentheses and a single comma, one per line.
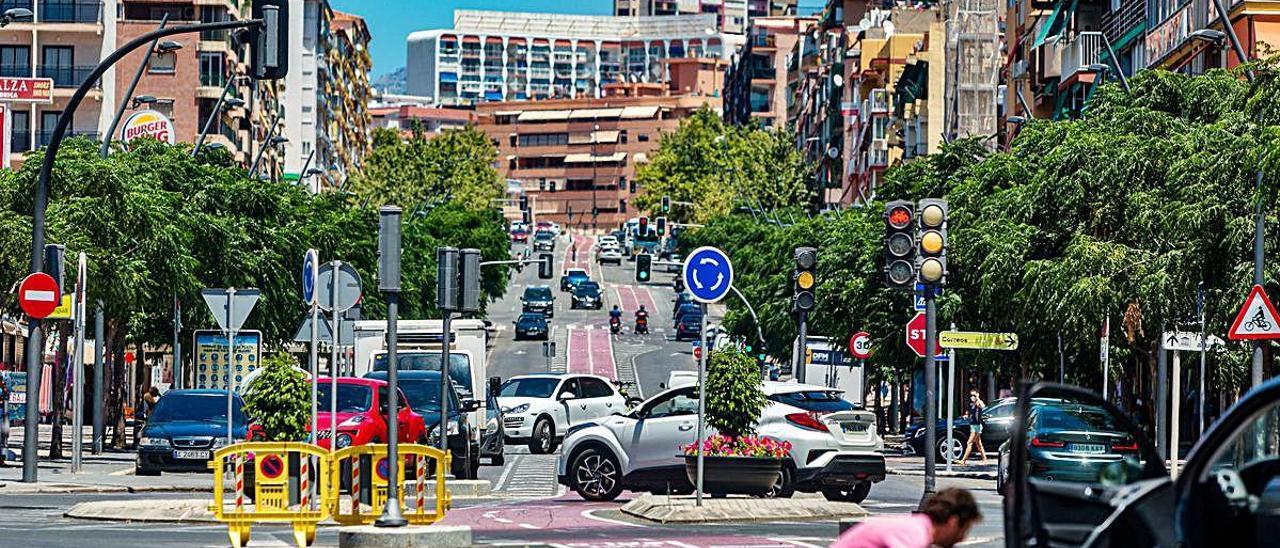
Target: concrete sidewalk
(683,509)
(914,466)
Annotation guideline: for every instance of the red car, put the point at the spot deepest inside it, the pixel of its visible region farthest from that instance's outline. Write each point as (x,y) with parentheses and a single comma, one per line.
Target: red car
(362,413)
(519,236)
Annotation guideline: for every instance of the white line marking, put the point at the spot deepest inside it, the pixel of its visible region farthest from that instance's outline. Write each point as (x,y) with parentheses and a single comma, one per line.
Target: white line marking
(526,525)
(129,470)
(506,474)
(590,514)
(499,520)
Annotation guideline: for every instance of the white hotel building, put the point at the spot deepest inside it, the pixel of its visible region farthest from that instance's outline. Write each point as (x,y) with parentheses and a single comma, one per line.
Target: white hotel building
(509,56)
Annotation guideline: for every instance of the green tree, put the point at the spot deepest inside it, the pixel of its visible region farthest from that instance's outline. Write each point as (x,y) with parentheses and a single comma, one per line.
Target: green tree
(456,165)
(734,394)
(279,400)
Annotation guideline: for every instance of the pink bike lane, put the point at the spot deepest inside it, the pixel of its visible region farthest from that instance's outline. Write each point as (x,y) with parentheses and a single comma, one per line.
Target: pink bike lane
(601,350)
(578,355)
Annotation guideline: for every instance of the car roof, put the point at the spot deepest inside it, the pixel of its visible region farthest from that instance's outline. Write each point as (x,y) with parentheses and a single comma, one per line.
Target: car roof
(570,271)
(416,374)
(780,387)
(196,392)
(364,381)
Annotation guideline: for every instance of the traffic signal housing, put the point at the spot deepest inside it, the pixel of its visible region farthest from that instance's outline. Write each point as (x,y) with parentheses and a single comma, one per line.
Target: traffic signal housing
(662,226)
(931,235)
(524,202)
(644,226)
(270,59)
(644,267)
(666,204)
(900,245)
(805,277)
(544,266)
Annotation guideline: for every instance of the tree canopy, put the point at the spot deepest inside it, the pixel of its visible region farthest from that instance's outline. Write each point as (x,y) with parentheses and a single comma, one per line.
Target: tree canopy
(420,170)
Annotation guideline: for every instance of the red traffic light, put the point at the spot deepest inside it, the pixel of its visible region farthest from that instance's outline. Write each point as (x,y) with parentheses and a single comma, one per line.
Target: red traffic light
(900,217)
(644,226)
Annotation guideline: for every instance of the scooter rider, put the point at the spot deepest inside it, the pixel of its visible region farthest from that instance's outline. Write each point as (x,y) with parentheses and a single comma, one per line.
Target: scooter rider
(642,319)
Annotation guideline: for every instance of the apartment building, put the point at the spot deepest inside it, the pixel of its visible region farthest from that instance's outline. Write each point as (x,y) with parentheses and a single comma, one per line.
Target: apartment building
(577,158)
(756,87)
(732,16)
(509,56)
(427,120)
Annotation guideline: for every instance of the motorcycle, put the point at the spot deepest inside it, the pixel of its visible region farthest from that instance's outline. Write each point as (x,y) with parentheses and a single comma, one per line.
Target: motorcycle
(615,325)
(642,325)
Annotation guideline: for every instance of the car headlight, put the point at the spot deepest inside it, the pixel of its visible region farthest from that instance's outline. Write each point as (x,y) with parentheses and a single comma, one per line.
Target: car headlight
(154,442)
(517,409)
(353,421)
(492,424)
(344,440)
(222,442)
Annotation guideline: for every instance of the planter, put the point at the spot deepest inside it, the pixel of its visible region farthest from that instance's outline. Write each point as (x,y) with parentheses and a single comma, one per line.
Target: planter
(734,475)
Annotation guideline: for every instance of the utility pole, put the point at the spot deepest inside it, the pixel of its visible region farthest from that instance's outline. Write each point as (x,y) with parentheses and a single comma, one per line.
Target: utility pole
(930,388)
(99,376)
(177,343)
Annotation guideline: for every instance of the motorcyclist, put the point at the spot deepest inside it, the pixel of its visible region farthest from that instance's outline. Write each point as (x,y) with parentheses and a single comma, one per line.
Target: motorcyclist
(642,319)
(615,319)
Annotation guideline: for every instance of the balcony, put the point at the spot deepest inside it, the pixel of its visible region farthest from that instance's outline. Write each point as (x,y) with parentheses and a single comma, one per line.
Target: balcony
(15,71)
(44,136)
(66,76)
(69,12)
(20,141)
(1084,50)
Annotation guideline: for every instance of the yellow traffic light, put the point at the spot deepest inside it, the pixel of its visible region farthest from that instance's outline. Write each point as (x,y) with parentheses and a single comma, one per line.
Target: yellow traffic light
(931,243)
(932,215)
(805,280)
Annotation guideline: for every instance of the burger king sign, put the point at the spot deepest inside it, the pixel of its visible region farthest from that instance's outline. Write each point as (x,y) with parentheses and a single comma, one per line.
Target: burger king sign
(147,123)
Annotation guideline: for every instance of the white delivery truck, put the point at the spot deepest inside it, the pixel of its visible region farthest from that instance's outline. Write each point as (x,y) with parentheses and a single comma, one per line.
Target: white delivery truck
(418,348)
(825,365)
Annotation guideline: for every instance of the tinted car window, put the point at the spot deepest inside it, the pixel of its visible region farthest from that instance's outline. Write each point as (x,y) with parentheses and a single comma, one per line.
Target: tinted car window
(594,388)
(532,318)
(570,386)
(459,366)
(822,401)
(352,398)
(196,407)
(424,395)
(532,387)
(588,287)
(537,293)
(1074,418)
(674,404)
(997,411)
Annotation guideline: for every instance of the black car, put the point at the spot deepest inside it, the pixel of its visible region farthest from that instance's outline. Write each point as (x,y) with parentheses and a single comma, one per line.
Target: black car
(184,430)
(422,389)
(689,326)
(538,298)
(997,426)
(682,298)
(587,295)
(532,325)
(573,277)
(686,308)
(544,240)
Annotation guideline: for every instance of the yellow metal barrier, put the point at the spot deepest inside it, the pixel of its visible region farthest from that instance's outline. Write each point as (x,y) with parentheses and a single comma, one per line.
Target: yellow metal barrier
(371,460)
(269,463)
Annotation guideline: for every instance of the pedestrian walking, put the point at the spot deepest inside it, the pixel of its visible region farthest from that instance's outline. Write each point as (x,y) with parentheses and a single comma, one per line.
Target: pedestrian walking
(148,403)
(944,520)
(976,405)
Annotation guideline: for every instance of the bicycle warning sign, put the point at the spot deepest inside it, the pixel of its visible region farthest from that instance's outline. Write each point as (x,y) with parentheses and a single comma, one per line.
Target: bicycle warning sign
(1257,319)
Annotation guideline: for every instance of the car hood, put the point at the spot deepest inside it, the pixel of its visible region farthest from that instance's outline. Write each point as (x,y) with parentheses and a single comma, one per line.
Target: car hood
(513,402)
(182,428)
(531,325)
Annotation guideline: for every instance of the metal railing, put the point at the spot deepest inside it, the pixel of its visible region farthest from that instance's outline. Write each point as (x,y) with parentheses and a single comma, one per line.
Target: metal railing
(15,71)
(44,136)
(20,141)
(66,76)
(1083,50)
(70,12)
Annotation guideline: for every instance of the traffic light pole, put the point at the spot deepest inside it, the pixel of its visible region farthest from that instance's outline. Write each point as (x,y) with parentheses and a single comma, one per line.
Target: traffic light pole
(803,345)
(930,393)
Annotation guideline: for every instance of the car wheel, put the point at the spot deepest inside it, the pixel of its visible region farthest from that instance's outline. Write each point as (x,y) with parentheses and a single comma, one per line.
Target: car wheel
(952,443)
(857,493)
(498,460)
(1002,475)
(544,437)
(596,476)
(784,486)
(140,471)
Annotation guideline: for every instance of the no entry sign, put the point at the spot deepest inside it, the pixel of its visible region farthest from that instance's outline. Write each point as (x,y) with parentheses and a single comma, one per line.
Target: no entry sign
(38,295)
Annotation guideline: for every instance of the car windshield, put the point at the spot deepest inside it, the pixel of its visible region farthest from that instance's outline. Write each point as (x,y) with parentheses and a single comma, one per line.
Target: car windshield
(577,275)
(459,365)
(1080,418)
(537,294)
(544,235)
(352,398)
(529,387)
(589,288)
(531,318)
(196,407)
(822,401)
(424,394)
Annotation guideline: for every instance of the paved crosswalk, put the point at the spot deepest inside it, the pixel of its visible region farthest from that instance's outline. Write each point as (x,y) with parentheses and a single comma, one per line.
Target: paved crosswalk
(528,476)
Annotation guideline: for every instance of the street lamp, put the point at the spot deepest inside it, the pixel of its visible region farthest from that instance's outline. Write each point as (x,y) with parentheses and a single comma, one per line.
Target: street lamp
(144,100)
(1215,37)
(1016,120)
(223,101)
(13,14)
(168,46)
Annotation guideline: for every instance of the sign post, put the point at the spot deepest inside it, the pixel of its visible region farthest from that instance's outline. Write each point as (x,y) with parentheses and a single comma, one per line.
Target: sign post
(311,271)
(340,286)
(77,372)
(708,274)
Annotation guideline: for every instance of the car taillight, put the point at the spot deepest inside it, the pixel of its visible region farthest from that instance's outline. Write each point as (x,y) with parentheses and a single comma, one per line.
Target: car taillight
(1131,447)
(806,420)
(1037,442)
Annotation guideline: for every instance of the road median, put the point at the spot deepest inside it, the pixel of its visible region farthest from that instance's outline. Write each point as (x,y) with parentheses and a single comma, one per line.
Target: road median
(683,509)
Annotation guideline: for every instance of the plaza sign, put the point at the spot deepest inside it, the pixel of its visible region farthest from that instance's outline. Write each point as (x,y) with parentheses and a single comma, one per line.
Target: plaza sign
(26,90)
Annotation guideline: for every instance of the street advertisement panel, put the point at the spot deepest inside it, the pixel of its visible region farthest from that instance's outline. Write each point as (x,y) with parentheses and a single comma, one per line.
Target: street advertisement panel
(26,90)
(17,383)
(210,352)
(147,123)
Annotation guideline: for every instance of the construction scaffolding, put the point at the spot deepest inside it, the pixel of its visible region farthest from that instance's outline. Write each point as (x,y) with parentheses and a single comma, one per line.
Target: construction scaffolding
(973,68)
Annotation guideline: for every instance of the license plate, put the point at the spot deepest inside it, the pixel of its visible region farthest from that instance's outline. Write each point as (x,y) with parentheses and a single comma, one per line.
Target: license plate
(191,455)
(854,427)
(1088,448)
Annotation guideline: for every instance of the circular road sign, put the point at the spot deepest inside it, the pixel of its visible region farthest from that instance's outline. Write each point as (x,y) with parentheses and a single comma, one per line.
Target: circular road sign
(38,295)
(310,271)
(348,288)
(860,345)
(271,466)
(383,468)
(708,274)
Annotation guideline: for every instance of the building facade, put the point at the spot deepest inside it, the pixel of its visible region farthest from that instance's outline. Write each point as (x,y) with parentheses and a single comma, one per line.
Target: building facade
(732,16)
(577,158)
(429,121)
(756,86)
(508,56)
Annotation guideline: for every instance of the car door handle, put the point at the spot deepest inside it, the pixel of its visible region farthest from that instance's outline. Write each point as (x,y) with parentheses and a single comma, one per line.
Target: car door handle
(686,427)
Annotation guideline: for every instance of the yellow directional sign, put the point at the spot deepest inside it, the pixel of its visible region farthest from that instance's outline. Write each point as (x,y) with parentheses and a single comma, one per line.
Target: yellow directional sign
(64,310)
(978,340)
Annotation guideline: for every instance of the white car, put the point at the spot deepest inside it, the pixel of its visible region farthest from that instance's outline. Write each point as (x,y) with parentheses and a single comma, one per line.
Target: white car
(680,378)
(834,446)
(608,241)
(539,410)
(609,255)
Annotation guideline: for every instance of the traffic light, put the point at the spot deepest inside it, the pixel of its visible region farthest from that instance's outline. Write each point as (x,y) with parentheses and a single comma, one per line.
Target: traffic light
(622,205)
(544,266)
(644,263)
(931,263)
(662,226)
(447,278)
(526,217)
(900,245)
(270,60)
(524,202)
(644,226)
(469,283)
(666,204)
(806,280)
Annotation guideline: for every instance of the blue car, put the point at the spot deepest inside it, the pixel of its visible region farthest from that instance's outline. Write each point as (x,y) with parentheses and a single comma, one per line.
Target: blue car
(422,388)
(532,325)
(185,428)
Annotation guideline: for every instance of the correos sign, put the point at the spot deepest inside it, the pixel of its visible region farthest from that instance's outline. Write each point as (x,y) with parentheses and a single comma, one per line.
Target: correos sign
(147,123)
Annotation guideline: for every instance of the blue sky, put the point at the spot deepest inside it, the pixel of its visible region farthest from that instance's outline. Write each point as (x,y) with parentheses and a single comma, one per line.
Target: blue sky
(391,21)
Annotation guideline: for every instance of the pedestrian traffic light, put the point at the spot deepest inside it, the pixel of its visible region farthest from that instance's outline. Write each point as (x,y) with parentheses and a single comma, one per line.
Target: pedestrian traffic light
(270,59)
(644,226)
(662,226)
(900,245)
(931,262)
(544,266)
(666,204)
(805,278)
(644,263)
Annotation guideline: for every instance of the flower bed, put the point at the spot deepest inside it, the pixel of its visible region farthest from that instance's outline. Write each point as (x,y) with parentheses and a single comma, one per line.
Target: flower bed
(721,445)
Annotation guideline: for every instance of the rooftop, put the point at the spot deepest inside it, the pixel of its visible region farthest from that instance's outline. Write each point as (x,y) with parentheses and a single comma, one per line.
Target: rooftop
(577,26)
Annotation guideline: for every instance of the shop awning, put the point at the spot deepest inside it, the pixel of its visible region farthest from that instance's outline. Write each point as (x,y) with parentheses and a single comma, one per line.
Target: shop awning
(632,113)
(911,85)
(507,112)
(640,158)
(543,115)
(588,159)
(1056,22)
(594,113)
(604,136)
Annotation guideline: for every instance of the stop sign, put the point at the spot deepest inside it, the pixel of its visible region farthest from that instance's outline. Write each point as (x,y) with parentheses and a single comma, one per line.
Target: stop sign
(915,336)
(38,295)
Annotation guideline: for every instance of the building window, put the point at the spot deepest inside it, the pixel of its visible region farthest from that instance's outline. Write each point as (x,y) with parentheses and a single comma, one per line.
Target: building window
(643,137)
(622,136)
(212,69)
(163,106)
(15,61)
(205,108)
(163,63)
(543,139)
(20,141)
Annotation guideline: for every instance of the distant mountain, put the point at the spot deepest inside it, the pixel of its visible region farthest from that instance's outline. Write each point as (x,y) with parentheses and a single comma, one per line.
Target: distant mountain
(392,82)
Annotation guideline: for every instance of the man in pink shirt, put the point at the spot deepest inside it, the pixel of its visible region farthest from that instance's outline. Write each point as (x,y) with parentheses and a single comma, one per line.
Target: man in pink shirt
(944,520)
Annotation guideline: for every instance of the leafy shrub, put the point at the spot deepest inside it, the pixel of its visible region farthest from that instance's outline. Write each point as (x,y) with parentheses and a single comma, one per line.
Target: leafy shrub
(743,446)
(734,394)
(279,400)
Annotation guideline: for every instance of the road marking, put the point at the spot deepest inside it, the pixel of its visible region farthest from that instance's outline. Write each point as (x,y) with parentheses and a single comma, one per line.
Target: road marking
(130,470)
(528,526)
(506,474)
(590,514)
(502,520)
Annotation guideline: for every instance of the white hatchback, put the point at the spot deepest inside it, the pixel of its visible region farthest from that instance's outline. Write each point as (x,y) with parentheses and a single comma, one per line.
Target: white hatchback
(539,410)
(834,446)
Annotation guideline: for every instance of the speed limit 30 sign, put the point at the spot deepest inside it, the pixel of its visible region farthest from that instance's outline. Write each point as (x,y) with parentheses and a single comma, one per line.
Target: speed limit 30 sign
(860,345)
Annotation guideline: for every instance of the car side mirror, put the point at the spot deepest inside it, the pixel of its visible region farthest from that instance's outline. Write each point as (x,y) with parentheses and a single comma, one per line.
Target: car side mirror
(468,405)
(662,386)
(566,395)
